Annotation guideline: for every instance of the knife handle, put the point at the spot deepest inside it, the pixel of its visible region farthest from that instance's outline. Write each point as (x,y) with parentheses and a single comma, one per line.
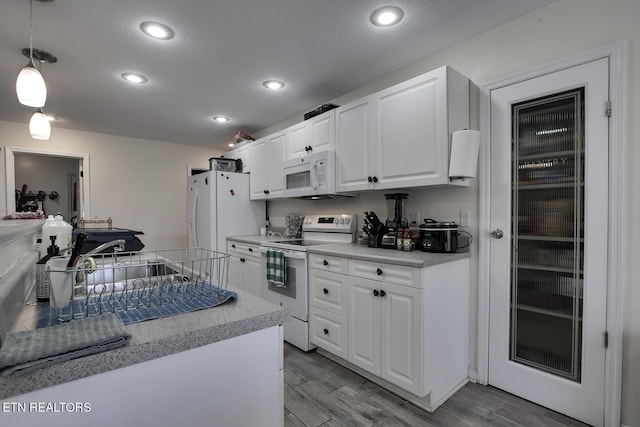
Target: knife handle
(77,247)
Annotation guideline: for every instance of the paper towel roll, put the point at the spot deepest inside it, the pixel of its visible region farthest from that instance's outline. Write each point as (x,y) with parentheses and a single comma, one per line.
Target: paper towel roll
(465,145)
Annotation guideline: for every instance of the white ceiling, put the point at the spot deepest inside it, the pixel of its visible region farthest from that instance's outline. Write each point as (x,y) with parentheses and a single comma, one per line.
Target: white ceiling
(222,52)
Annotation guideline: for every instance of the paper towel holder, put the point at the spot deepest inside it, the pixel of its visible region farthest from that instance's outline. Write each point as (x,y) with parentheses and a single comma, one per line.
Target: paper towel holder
(463,161)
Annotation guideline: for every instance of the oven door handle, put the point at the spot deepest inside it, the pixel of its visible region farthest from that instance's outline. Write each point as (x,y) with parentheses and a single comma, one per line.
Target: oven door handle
(287,254)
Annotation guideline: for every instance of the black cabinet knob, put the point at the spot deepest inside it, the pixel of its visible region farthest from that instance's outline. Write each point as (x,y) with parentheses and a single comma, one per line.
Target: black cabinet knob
(382,293)
(326,331)
(369,179)
(325,262)
(233,246)
(310,148)
(250,249)
(242,260)
(375,179)
(379,272)
(325,291)
(375,293)
(264,191)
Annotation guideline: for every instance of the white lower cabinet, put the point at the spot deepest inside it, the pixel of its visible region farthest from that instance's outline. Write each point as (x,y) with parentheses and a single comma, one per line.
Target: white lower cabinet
(385,331)
(244,267)
(404,327)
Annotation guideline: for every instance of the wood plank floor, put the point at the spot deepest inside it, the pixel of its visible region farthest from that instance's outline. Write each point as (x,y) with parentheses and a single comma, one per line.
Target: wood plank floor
(319,392)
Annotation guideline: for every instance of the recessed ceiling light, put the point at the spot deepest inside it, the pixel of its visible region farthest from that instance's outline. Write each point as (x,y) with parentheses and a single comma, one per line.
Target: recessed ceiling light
(134,78)
(387,16)
(157,30)
(273,84)
(221,119)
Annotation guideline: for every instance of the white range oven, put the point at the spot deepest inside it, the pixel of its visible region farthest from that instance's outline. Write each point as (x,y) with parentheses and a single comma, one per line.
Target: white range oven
(293,293)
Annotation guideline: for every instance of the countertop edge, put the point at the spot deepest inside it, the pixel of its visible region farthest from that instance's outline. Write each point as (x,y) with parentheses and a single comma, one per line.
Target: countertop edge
(414,259)
(142,349)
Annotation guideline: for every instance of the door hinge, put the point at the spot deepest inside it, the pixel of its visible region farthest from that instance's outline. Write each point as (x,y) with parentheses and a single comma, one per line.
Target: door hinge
(608,110)
(606,339)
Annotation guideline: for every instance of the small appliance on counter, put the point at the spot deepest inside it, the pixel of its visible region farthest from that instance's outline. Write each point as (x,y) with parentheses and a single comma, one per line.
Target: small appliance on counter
(438,236)
(396,220)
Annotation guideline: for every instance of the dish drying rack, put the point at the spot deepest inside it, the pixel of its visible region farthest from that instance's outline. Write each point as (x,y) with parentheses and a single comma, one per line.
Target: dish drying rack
(129,281)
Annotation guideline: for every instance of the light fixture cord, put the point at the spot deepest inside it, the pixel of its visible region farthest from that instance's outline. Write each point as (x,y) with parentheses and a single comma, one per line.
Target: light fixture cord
(31,33)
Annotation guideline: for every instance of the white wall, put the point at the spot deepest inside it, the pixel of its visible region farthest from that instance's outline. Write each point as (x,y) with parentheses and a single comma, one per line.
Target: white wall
(140,184)
(563,28)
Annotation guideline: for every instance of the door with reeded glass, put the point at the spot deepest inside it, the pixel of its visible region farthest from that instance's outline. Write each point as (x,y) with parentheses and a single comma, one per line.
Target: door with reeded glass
(549,187)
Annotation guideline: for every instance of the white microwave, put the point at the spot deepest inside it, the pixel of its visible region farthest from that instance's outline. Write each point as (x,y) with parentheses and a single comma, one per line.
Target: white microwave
(312,176)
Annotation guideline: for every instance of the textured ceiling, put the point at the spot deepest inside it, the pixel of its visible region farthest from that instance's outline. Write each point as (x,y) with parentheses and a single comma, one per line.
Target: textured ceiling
(222,52)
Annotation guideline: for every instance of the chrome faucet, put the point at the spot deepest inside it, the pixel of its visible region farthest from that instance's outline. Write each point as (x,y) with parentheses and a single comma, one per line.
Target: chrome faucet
(117,245)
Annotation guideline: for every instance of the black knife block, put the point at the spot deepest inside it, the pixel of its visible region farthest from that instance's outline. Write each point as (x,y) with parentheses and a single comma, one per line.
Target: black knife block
(375,241)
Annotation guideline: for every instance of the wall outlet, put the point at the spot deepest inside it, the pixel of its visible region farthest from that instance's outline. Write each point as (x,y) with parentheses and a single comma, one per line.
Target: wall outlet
(465,218)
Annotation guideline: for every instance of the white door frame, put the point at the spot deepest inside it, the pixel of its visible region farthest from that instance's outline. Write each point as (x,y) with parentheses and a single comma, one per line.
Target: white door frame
(10,175)
(617,53)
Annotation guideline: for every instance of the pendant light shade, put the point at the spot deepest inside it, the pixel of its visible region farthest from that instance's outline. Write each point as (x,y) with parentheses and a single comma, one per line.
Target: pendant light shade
(39,126)
(30,87)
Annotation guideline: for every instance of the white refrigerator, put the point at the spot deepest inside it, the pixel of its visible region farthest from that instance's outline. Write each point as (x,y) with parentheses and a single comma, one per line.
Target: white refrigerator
(219,206)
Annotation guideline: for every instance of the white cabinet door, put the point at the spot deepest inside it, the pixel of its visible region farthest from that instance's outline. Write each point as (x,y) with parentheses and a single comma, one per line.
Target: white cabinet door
(297,144)
(266,180)
(364,324)
(258,177)
(354,142)
(236,276)
(254,282)
(322,132)
(242,153)
(402,336)
(275,181)
(412,124)
(311,136)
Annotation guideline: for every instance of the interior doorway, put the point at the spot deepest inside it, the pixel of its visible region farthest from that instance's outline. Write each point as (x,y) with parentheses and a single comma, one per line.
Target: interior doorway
(56,182)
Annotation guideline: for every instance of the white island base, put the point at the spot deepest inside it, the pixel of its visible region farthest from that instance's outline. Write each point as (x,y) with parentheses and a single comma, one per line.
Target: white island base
(229,383)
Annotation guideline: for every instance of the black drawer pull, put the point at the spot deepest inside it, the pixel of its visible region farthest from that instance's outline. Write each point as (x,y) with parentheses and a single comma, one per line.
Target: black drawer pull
(375,293)
(379,272)
(325,262)
(382,293)
(325,291)
(326,331)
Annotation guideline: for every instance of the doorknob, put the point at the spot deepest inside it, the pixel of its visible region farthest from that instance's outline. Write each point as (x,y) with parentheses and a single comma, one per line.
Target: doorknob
(497,233)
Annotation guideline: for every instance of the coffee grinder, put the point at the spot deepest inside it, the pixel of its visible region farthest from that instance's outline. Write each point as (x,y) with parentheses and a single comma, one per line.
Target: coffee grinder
(396,206)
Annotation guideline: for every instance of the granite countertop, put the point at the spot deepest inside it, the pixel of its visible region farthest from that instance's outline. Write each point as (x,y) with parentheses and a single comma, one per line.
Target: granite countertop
(359,251)
(153,339)
(416,259)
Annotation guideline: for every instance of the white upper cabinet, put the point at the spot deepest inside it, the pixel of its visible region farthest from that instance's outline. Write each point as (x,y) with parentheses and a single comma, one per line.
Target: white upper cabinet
(400,136)
(265,179)
(242,153)
(311,136)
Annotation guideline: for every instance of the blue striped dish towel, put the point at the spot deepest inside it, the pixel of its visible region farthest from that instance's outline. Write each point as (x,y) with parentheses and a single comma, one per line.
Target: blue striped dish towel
(276,268)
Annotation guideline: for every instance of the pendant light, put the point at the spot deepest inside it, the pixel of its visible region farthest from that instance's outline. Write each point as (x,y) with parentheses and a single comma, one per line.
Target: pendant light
(30,86)
(39,125)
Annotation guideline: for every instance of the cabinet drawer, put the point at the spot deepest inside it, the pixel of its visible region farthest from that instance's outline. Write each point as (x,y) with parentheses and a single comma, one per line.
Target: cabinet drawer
(399,274)
(243,249)
(328,263)
(328,291)
(328,331)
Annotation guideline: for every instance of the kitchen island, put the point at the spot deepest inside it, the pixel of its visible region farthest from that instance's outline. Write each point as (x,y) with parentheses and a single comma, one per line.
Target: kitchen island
(200,368)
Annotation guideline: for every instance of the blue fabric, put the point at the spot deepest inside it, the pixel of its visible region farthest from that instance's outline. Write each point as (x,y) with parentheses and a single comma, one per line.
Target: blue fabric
(133,307)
